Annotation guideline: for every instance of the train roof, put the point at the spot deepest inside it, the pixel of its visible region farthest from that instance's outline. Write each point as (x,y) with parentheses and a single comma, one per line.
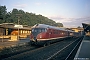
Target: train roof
(48,26)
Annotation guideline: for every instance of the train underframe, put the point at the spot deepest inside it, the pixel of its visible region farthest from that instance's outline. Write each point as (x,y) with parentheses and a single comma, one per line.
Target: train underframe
(47,42)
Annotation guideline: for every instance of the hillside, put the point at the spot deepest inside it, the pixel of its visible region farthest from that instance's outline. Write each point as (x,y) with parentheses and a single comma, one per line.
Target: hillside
(24,18)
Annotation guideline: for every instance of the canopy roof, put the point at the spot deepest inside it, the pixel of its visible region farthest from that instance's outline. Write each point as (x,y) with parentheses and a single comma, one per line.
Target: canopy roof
(86,27)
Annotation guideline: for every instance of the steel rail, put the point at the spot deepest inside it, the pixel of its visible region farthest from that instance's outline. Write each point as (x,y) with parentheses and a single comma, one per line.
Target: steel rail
(72,51)
(60,50)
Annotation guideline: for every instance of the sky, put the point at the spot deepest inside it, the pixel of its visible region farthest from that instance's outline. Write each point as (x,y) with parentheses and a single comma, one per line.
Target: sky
(71,13)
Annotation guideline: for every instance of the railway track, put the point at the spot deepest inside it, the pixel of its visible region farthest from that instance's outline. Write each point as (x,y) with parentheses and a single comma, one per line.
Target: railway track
(17,50)
(51,52)
(68,52)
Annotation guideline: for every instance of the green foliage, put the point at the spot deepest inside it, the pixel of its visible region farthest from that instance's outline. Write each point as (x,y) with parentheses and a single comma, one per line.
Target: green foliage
(59,24)
(25,18)
(2,13)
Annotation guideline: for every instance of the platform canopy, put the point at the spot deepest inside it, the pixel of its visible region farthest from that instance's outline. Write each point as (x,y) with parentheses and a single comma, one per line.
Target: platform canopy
(86,27)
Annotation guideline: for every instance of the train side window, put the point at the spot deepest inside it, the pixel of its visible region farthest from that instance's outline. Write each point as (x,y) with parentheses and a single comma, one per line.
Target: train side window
(53,31)
(40,30)
(62,33)
(45,30)
(57,31)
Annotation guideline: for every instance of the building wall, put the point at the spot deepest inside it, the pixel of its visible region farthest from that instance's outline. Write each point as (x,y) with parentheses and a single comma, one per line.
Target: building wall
(77,29)
(2,31)
(21,32)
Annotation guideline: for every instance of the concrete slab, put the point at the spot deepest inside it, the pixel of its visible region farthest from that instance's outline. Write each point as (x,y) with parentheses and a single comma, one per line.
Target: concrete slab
(84,49)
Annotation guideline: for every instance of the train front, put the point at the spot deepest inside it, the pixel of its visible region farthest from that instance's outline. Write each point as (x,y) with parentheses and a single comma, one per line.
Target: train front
(37,34)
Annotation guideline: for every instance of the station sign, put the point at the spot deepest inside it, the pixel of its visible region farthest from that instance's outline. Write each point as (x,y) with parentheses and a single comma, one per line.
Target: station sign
(18,26)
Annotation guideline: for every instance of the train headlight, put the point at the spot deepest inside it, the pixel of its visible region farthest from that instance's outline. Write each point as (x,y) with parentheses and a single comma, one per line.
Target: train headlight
(40,36)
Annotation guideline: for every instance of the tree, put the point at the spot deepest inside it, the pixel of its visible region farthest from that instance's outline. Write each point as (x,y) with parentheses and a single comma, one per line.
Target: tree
(78,27)
(59,24)
(2,13)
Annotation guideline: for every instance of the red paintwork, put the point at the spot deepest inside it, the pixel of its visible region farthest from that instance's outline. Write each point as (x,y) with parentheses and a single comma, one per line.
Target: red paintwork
(52,33)
(43,35)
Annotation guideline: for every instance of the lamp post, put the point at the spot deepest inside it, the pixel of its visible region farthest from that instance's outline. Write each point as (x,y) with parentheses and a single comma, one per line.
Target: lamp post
(2,34)
(18,23)
(18,28)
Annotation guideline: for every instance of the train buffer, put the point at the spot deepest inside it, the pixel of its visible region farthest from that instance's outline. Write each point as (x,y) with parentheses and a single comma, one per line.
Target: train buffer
(83,52)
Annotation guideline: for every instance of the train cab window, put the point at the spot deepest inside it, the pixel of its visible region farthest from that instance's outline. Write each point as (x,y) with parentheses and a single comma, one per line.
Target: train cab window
(39,30)
(35,30)
(32,30)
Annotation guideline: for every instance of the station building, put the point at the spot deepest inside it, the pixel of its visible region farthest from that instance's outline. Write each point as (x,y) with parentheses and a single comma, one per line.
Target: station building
(77,29)
(10,29)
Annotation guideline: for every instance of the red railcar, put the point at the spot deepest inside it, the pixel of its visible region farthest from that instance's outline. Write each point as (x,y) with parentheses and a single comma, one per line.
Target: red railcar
(44,34)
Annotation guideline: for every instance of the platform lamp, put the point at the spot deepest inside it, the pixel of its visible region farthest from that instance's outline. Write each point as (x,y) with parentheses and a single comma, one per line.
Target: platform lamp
(18,15)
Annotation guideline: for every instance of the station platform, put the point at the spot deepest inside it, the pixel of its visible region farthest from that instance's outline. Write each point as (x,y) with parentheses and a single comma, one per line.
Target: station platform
(8,43)
(83,52)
